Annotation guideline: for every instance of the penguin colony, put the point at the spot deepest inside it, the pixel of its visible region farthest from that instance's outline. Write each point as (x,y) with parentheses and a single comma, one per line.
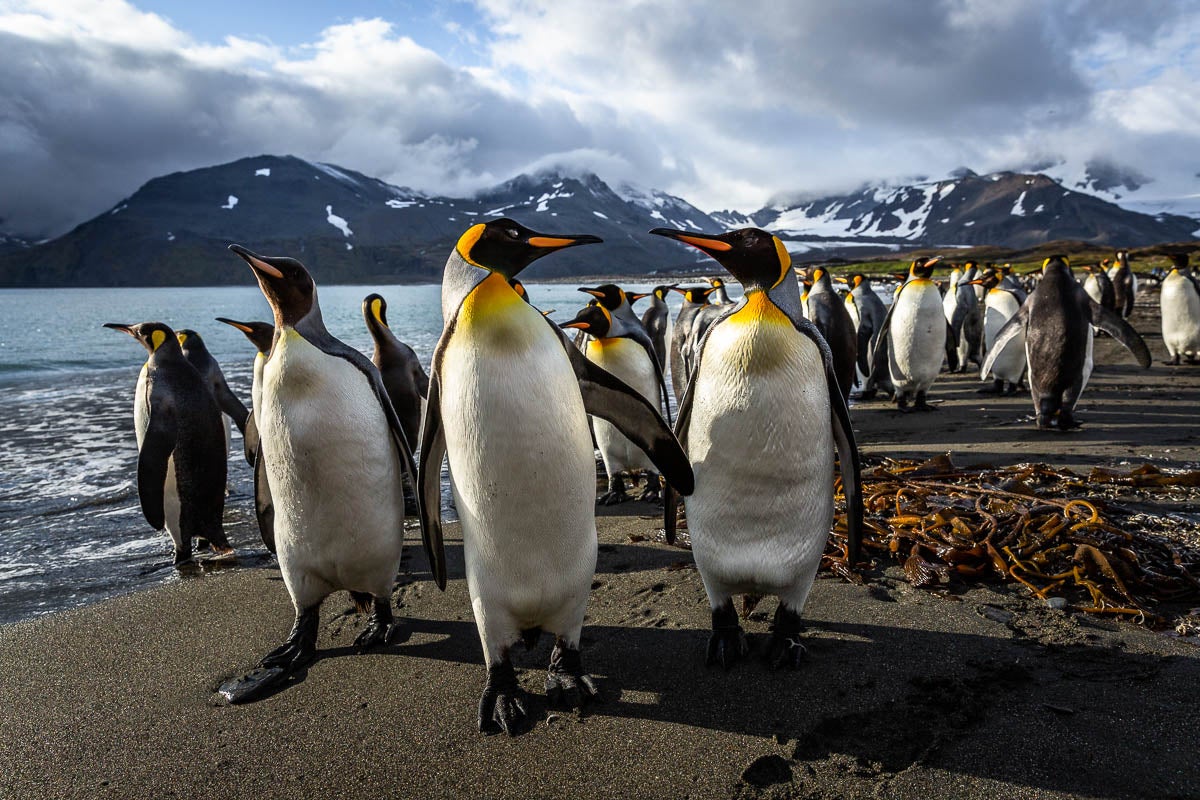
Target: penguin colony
(749,431)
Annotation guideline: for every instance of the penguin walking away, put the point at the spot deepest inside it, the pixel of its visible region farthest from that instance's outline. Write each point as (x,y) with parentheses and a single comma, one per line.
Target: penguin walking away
(403,376)
(1057,320)
(962,312)
(260,334)
(1000,304)
(334,456)
(694,299)
(657,321)
(1124,284)
(1099,287)
(181,456)
(1179,303)
(828,313)
(197,353)
(915,338)
(761,418)
(622,350)
(509,397)
(870,312)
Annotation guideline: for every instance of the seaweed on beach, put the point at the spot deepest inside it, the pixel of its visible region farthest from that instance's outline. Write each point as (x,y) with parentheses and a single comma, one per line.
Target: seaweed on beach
(1085,542)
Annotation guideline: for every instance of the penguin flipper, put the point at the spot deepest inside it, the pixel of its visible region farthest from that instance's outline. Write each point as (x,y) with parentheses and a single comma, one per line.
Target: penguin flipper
(611,399)
(1015,325)
(429,477)
(1122,331)
(231,405)
(264,505)
(879,358)
(157,446)
(863,359)
(250,439)
(951,347)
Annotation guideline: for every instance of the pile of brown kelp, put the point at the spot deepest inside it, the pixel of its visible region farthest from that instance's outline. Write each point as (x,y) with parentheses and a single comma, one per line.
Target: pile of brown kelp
(1072,540)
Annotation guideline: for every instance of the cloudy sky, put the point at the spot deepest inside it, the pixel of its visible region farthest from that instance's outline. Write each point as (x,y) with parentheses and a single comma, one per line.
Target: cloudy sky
(725,103)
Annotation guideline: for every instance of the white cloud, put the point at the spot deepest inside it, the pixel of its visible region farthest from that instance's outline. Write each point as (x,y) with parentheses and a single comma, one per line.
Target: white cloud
(725,104)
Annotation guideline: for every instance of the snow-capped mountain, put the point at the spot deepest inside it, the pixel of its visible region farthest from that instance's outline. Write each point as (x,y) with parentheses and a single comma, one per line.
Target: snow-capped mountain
(1176,193)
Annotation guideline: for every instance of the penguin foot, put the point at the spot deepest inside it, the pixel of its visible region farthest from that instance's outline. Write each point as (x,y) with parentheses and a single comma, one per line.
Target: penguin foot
(727,644)
(286,662)
(613,498)
(502,706)
(382,628)
(921,405)
(785,650)
(653,493)
(567,685)
(996,387)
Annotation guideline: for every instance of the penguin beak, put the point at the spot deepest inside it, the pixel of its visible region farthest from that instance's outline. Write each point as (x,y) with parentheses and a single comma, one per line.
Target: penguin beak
(116,326)
(241,326)
(559,242)
(256,262)
(707,244)
(635,296)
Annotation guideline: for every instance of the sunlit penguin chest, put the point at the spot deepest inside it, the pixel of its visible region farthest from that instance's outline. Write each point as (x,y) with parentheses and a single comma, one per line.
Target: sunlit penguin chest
(918,332)
(516,430)
(630,362)
(330,456)
(759,431)
(1180,314)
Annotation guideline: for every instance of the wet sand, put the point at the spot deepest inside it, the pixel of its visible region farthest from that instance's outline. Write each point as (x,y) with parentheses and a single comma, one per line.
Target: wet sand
(904,694)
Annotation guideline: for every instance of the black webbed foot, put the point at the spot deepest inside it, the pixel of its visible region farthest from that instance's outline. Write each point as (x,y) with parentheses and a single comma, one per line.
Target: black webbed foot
(284,663)
(921,405)
(502,706)
(727,644)
(567,685)
(996,387)
(382,628)
(786,650)
(653,493)
(616,492)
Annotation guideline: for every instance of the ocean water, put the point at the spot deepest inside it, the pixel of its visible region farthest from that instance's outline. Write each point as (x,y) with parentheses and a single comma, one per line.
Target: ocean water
(71,528)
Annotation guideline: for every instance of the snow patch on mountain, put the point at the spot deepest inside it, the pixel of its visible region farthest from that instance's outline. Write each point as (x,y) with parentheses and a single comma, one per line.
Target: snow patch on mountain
(337,222)
(230,203)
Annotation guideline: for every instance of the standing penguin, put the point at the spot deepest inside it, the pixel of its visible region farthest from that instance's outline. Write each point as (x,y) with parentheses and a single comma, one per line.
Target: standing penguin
(509,397)
(657,322)
(181,458)
(1000,304)
(694,299)
(621,350)
(962,312)
(761,418)
(871,313)
(627,325)
(915,338)
(1057,320)
(1099,287)
(403,376)
(1180,306)
(261,335)
(1124,284)
(720,297)
(828,313)
(335,457)
(195,352)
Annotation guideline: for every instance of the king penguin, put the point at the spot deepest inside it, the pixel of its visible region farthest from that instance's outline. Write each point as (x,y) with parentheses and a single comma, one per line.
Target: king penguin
(334,456)
(1179,303)
(195,351)
(962,312)
(870,312)
(915,338)
(828,313)
(182,460)
(403,376)
(624,351)
(1057,320)
(1124,283)
(761,418)
(657,321)
(509,397)
(1098,286)
(720,297)
(260,334)
(1000,304)
(694,299)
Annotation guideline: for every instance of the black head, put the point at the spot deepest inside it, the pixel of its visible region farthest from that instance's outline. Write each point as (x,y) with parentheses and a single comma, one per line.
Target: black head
(635,296)
(190,340)
(154,336)
(923,267)
(519,288)
(593,319)
(374,309)
(1179,261)
(608,295)
(286,284)
(661,291)
(260,334)
(696,294)
(756,258)
(1056,263)
(507,247)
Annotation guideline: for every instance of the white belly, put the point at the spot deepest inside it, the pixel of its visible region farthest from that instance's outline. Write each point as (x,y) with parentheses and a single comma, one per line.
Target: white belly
(334,474)
(628,361)
(256,386)
(1010,362)
(762,450)
(918,337)
(1091,286)
(522,468)
(1180,316)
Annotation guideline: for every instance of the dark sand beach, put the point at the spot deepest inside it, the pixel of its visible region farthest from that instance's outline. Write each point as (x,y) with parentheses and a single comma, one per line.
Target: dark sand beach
(984,692)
